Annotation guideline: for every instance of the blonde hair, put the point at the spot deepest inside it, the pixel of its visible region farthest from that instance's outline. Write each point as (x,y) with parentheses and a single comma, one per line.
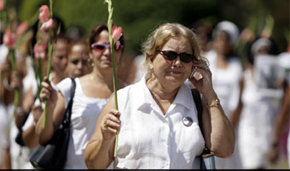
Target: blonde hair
(162,34)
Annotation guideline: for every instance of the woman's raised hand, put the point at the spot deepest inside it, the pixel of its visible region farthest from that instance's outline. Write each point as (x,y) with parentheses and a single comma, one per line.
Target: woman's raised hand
(204,84)
(47,93)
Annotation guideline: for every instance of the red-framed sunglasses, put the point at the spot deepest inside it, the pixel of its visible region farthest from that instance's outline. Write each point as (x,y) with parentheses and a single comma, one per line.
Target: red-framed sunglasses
(101,47)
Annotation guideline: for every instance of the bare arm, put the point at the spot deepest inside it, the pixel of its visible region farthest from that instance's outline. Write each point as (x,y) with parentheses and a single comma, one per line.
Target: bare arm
(29,137)
(282,120)
(236,114)
(99,152)
(218,131)
(54,115)
(6,159)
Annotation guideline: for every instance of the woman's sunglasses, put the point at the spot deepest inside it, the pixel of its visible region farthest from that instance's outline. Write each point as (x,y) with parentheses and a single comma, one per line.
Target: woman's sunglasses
(171,55)
(100,47)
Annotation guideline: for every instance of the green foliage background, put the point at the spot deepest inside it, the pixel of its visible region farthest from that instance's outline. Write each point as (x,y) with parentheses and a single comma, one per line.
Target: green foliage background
(139,17)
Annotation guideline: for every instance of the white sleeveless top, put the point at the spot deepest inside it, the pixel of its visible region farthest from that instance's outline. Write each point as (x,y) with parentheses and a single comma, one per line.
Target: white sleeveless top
(150,140)
(85,113)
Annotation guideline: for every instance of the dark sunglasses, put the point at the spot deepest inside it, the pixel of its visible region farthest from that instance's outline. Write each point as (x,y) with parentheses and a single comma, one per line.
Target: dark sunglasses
(171,55)
(100,47)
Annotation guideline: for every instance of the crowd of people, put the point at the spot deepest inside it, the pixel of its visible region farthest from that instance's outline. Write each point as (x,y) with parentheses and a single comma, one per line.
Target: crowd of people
(245,101)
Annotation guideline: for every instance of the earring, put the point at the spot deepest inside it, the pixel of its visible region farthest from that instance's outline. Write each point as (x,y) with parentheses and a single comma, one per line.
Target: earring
(90,62)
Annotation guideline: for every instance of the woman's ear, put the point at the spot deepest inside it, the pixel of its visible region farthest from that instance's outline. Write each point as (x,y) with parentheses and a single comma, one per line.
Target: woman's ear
(149,59)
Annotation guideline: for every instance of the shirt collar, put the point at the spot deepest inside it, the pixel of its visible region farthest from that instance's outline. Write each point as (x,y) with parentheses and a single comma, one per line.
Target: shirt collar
(182,97)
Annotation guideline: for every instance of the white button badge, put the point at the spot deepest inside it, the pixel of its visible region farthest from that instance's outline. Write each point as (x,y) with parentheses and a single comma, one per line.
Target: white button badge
(187,121)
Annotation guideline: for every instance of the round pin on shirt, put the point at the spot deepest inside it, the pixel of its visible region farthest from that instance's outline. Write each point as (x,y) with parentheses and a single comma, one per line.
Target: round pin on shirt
(187,121)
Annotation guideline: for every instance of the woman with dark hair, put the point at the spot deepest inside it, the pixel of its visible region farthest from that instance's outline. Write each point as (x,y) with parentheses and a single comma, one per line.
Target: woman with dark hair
(91,94)
(227,71)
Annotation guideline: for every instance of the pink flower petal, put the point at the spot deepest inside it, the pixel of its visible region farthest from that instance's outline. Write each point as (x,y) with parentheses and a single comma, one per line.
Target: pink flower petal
(9,39)
(40,50)
(47,25)
(43,13)
(22,28)
(2,5)
(116,33)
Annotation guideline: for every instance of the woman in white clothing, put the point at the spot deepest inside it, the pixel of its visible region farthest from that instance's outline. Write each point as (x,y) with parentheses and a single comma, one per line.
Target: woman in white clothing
(260,104)
(157,117)
(91,94)
(227,79)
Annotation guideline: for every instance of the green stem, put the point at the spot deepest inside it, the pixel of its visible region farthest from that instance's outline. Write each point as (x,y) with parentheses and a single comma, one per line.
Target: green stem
(40,75)
(50,50)
(109,23)
(16,91)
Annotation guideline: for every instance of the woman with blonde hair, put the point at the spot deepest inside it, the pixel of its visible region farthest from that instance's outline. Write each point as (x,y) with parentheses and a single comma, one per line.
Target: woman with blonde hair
(157,117)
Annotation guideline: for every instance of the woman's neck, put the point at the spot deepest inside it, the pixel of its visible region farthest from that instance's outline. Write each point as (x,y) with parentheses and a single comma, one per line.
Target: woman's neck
(162,95)
(57,77)
(161,92)
(222,61)
(104,77)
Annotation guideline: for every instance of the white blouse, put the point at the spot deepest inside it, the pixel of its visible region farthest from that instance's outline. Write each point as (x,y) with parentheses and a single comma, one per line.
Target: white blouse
(85,113)
(226,82)
(148,139)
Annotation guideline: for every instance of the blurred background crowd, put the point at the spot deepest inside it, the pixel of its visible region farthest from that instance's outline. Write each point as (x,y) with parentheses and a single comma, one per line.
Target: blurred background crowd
(247,44)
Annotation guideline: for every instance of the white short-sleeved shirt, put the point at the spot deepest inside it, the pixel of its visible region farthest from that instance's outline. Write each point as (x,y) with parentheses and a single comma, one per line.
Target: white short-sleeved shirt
(85,113)
(150,140)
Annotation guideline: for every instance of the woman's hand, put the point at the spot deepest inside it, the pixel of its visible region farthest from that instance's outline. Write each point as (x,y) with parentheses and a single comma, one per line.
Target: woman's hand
(203,84)
(110,124)
(48,93)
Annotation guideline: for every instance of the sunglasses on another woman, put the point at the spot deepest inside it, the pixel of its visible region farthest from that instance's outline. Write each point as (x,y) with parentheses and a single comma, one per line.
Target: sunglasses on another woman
(101,47)
(171,55)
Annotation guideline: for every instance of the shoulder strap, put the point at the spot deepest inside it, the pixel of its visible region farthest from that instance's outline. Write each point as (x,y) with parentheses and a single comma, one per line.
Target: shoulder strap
(198,105)
(68,110)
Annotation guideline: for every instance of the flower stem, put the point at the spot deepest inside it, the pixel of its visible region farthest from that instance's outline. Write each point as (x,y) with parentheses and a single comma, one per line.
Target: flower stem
(16,91)
(50,50)
(109,23)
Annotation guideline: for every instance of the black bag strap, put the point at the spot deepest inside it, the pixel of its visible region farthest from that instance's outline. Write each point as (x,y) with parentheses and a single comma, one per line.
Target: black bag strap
(68,110)
(198,105)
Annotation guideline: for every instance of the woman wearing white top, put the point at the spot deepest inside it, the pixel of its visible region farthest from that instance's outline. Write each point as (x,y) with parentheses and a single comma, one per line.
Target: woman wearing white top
(91,94)
(226,78)
(158,119)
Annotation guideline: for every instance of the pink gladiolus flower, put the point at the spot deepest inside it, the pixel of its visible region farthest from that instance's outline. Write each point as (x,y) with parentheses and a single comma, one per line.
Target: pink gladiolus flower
(9,39)
(47,25)
(2,5)
(22,28)
(40,50)
(116,33)
(43,14)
